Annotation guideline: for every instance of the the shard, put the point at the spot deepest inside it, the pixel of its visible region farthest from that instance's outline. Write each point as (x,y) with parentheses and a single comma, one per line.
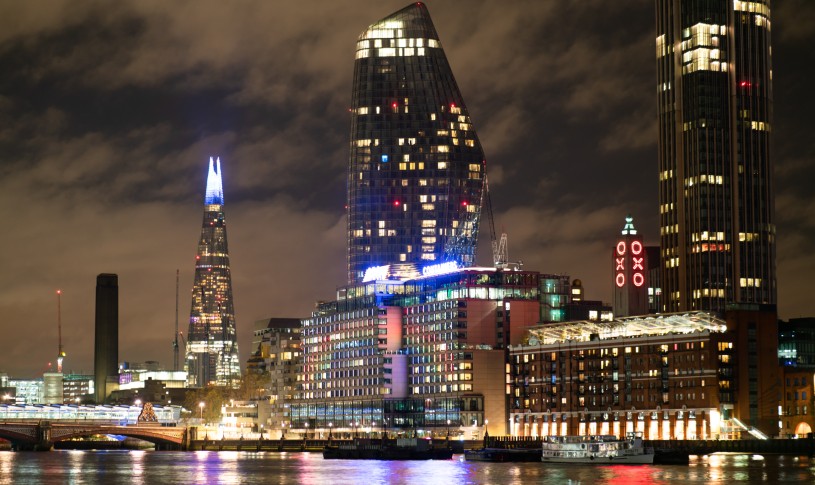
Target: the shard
(212,346)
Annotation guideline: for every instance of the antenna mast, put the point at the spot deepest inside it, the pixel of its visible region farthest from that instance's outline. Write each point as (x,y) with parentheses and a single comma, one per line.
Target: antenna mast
(175,341)
(60,352)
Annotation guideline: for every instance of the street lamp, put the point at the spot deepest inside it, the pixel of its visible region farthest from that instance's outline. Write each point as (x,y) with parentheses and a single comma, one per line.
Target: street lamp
(330,427)
(201,407)
(306,434)
(137,402)
(261,432)
(448,429)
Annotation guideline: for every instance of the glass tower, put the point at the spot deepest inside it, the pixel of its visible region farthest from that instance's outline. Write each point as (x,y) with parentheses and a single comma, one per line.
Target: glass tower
(714,84)
(212,347)
(416,170)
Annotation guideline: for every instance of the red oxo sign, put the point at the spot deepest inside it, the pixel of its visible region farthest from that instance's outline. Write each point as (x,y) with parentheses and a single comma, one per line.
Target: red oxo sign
(629,254)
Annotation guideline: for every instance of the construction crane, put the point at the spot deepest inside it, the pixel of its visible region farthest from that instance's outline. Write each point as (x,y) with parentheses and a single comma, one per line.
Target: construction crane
(499,248)
(175,341)
(500,251)
(60,352)
(179,335)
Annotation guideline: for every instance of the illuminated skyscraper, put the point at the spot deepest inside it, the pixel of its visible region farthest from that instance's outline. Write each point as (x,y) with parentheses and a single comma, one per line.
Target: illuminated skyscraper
(416,171)
(716,197)
(212,347)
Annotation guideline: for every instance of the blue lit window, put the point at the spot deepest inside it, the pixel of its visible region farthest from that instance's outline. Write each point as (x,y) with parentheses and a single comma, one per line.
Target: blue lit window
(384,158)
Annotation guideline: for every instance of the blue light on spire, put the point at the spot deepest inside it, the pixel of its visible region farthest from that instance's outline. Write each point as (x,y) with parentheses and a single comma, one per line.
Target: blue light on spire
(215,188)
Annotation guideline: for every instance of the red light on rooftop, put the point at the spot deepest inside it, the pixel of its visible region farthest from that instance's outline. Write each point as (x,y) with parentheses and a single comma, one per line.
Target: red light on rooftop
(395,202)
(464,203)
(395,104)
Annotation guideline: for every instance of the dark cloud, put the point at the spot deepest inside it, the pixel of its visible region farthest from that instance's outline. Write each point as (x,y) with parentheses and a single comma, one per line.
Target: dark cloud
(109,112)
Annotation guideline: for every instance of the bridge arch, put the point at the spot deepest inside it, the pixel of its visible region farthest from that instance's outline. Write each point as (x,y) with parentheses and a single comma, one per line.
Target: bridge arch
(155,438)
(16,437)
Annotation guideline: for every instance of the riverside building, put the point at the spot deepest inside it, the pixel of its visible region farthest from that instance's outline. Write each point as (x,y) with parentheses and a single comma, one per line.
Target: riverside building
(422,355)
(278,359)
(681,375)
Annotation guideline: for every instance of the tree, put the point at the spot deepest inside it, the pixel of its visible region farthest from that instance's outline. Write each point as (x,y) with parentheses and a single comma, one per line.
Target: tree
(252,386)
(213,398)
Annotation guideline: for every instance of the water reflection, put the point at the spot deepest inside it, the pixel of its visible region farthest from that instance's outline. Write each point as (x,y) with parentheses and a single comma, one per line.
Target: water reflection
(138,467)
(147,467)
(6,462)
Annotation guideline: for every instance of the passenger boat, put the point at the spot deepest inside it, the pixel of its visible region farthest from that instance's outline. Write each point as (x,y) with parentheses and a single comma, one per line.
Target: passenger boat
(603,449)
(503,454)
(402,449)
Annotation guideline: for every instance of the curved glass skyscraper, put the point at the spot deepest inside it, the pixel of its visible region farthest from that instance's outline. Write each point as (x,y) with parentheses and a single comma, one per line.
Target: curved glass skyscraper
(212,346)
(416,171)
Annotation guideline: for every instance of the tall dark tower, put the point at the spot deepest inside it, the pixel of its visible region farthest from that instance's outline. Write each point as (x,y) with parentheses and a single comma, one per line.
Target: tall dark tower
(106,338)
(716,195)
(417,172)
(212,346)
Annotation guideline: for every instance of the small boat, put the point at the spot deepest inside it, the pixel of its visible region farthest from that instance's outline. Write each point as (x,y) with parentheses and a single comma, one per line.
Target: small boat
(602,449)
(402,449)
(503,455)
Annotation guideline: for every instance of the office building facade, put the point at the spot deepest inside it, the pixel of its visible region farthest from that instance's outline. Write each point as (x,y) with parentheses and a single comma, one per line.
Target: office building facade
(716,197)
(796,343)
(278,359)
(212,346)
(77,388)
(416,174)
(425,354)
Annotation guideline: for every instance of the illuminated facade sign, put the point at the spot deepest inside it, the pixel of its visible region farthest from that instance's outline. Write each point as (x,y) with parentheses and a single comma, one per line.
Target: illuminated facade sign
(630,262)
(439,269)
(376,273)
(629,256)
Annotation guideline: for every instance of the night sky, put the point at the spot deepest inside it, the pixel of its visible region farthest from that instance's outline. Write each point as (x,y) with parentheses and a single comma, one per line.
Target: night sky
(109,112)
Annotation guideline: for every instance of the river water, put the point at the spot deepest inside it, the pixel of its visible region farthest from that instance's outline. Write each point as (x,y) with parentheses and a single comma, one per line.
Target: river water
(160,467)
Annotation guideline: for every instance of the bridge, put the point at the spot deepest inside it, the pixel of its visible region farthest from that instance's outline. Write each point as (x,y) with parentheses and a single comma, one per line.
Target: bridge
(42,435)
(39,426)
